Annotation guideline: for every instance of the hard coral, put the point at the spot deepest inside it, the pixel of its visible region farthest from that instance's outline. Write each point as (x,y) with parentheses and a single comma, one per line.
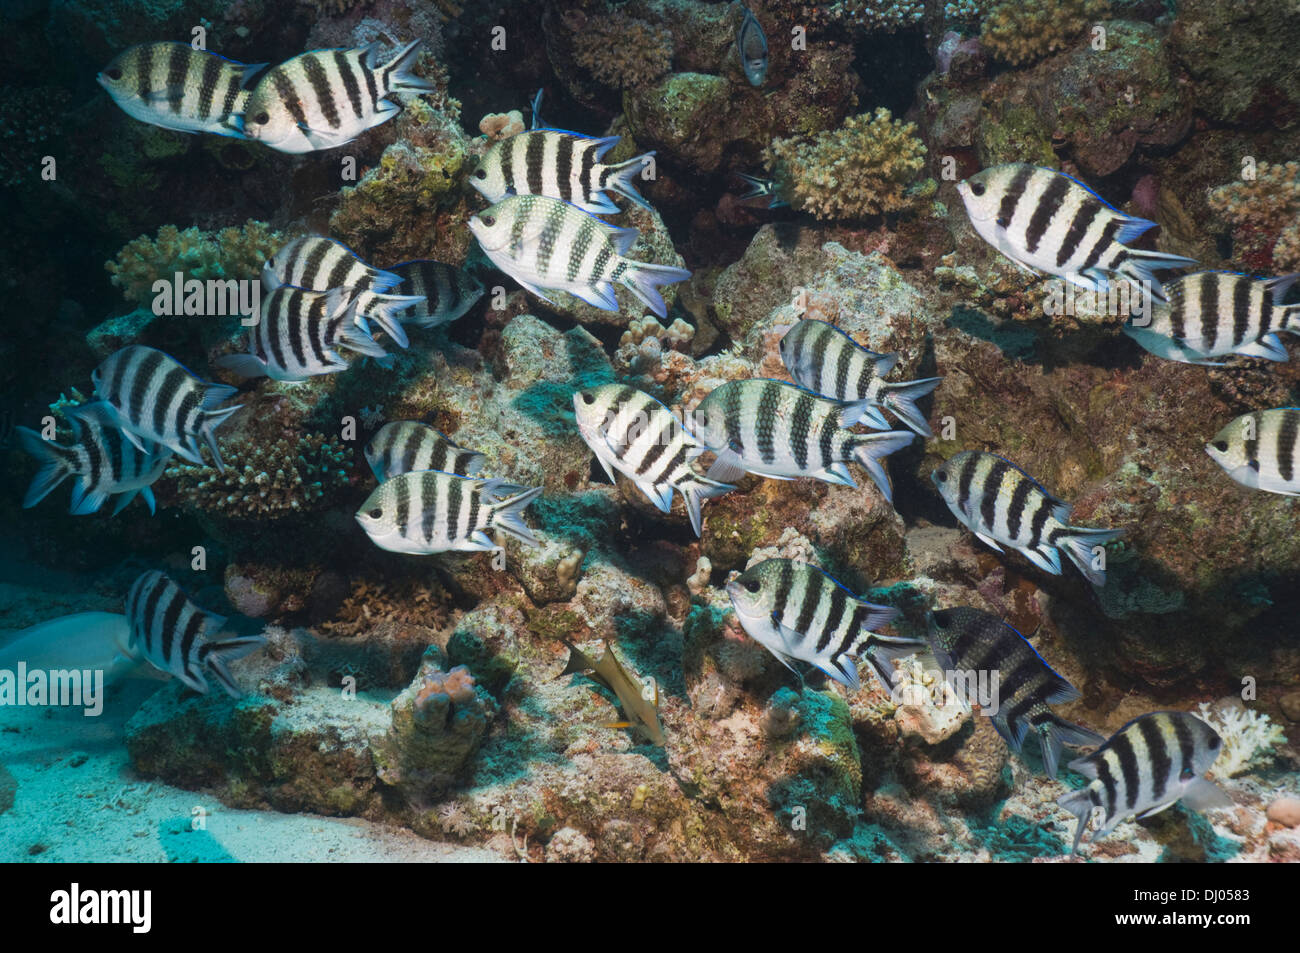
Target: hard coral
(619,50)
(867,166)
(1249,737)
(1264,216)
(1021,31)
(228,253)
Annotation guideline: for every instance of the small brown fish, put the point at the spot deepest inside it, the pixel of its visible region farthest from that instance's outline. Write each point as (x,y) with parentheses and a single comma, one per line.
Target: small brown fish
(642,713)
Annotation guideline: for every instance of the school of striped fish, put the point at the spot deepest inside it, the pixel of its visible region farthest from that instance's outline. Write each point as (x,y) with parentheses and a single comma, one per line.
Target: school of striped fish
(548,192)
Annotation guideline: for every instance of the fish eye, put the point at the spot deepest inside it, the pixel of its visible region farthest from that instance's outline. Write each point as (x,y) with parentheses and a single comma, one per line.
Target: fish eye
(113,73)
(375,513)
(941,618)
(752,586)
(941,476)
(261,118)
(489,220)
(480,173)
(977,189)
(1215,742)
(588,397)
(1220,445)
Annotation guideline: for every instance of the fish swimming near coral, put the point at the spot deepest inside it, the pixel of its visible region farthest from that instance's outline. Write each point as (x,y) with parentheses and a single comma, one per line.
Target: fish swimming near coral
(634,434)
(547,244)
(155,399)
(1150,764)
(1044,220)
(429,511)
(562,165)
(761,188)
(297,335)
(102,458)
(175,86)
(1218,313)
(447,292)
(405,446)
(642,713)
(824,359)
(325,98)
(178,637)
(1259,450)
(966,640)
(751,45)
(783,431)
(797,611)
(1003,505)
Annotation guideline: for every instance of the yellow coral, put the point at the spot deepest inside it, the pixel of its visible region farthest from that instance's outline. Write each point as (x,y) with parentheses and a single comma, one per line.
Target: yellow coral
(1021,31)
(867,166)
(229,253)
(1267,205)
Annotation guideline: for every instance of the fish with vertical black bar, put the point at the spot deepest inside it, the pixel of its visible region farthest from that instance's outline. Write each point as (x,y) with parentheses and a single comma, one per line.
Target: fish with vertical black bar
(447,292)
(404,446)
(1259,450)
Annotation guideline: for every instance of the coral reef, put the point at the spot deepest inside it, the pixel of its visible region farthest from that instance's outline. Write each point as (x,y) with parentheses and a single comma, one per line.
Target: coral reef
(1249,737)
(619,50)
(498,126)
(228,253)
(1263,215)
(1021,31)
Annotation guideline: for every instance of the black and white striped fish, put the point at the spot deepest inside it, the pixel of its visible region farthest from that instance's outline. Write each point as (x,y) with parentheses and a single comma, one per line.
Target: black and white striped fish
(761,188)
(403,446)
(545,243)
(297,333)
(1259,450)
(824,359)
(966,640)
(178,87)
(1046,221)
(797,611)
(178,637)
(103,459)
(1150,764)
(633,433)
(428,511)
(448,292)
(1216,313)
(324,98)
(1003,505)
(155,399)
(780,430)
(563,165)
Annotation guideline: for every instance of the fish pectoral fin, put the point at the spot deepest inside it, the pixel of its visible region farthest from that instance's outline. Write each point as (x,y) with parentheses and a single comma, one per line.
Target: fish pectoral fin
(989,541)
(1157,809)
(727,468)
(155,97)
(1204,795)
(323,138)
(529,286)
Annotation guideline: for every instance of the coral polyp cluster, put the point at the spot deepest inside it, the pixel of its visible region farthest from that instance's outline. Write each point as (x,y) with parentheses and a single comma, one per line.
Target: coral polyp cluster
(1263,214)
(226,253)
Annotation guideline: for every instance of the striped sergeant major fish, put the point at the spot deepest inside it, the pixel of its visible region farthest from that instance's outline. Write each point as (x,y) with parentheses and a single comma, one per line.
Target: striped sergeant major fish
(798,612)
(1004,506)
(783,431)
(1217,313)
(824,359)
(971,640)
(1150,764)
(545,243)
(1258,450)
(1046,221)
(297,334)
(751,45)
(428,511)
(446,292)
(404,446)
(632,433)
(325,98)
(560,164)
(102,458)
(175,86)
(154,399)
(180,638)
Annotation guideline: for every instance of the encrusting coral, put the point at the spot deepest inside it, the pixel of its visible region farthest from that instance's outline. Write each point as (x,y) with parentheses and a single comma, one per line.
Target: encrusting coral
(619,50)
(867,166)
(1021,31)
(498,126)
(228,253)
(1264,215)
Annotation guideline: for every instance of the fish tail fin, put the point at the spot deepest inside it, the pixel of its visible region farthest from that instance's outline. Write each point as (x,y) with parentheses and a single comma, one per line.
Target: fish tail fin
(216,655)
(869,449)
(57,464)
(643,280)
(397,75)
(507,515)
(384,310)
(695,491)
(901,399)
(214,417)
(1054,732)
(1080,804)
(1141,265)
(882,651)
(1079,545)
(622,178)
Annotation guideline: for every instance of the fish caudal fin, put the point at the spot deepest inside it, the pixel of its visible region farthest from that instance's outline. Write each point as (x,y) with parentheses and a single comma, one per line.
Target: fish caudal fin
(621,178)
(216,655)
(56,464)
(1080,804)
(1141,265)
(507,515)
(397,75)
(869,449)
(695,491)
(901,400)
(1056,732)
(385,310)
(882,651)
(643,280)
(1079,545)
(214,418)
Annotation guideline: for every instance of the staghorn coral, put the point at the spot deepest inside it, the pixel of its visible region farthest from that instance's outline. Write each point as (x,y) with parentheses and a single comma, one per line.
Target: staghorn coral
(293,475)
(228,253)
(1022,31)
(619,50)
(867,166)
(1249,737)
(1263,214)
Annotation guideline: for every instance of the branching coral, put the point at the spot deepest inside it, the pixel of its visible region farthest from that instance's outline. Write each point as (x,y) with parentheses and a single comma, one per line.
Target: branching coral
(619,50)
(229,253)
(1264,215)
(1249,737)
(406,602)
(867,166)
(292,475)
(1021,31)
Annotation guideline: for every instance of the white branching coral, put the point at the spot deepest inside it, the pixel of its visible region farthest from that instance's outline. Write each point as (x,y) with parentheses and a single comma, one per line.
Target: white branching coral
(1249,737)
